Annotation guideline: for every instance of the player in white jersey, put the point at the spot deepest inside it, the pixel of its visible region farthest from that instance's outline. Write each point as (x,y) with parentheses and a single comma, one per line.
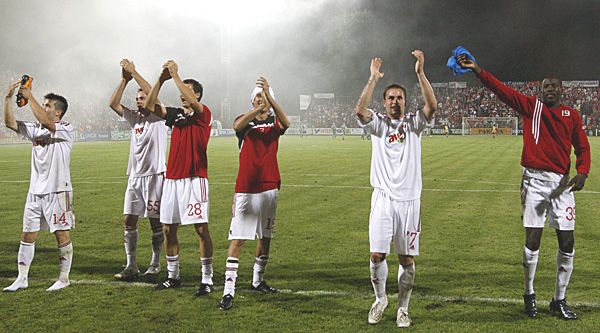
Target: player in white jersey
(146,167)
(396,181)
(49,200)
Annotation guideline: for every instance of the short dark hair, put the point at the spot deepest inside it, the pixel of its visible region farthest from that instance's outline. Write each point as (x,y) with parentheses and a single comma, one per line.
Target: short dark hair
(552,77)
(140,90)
(196,86)
(59,102)
(395,86)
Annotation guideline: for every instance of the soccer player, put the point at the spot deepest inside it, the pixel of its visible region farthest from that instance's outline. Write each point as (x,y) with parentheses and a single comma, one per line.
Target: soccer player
(185,191)
(396,181)
(49,200)
(256,187)
(494,130)
(146,167)
(549,131)
(446,130)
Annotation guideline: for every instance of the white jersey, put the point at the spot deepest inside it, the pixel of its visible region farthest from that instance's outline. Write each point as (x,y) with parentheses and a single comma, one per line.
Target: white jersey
(148,147)
(396,155)
(50,156)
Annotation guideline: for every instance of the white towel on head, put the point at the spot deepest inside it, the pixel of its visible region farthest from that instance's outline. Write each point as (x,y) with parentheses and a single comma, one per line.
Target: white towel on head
(257,90)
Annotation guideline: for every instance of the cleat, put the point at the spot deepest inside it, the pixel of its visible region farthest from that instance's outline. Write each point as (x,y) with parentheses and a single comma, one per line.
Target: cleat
(152,270)
(263,287)
(376,312)
(204,289)
(402,320)
(168,284)
(128,274)
(530,306)
(562,310)
(20,283)
(226,302)
(58,285)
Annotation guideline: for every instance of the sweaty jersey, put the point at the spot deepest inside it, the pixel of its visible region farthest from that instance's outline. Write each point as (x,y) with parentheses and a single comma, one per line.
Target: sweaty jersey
(396,154)
(548,133)
(258,143)
(50,156)
(148,146)
(189,141)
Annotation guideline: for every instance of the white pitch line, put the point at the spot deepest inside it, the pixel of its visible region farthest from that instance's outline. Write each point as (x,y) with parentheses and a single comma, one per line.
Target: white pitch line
(316,293)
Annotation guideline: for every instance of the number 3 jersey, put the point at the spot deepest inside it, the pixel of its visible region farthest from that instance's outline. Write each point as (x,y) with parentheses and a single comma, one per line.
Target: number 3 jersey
(50,156)
(396,154)
(258,143)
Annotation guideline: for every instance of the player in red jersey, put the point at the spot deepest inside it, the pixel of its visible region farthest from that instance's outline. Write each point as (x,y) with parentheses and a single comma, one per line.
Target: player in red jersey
(549,131)
(256,187)
(185,191)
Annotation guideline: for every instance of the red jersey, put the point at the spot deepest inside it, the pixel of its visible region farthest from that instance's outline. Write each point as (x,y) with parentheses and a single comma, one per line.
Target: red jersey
(548,133)
(258,143)
(189,140)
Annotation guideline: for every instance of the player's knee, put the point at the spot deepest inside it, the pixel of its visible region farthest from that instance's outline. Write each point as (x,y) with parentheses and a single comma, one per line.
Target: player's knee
(566,245)
(377,257)
(202,230)
(29,237)
(407,278)
(62,236)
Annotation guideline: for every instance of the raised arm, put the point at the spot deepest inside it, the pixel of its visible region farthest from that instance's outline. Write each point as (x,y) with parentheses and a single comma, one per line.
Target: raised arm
(152,103)
(9,117)
(115,99)
(241,122)
(426,89)
(284,122)
(129,67)
(367,94)
(511,97)
(38,111)
(187,93)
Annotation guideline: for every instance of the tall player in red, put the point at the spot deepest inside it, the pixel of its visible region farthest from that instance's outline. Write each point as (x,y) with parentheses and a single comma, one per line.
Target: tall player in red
(549,131)
(256,187)
(185,191)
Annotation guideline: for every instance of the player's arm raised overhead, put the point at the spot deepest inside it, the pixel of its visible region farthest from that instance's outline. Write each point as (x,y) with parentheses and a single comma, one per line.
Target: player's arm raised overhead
(511,97)
(187,92)
(426,89)
(115,99)
(284,122)
(367,94)
(9,117)
(129,67)
(152,104)
(38,111)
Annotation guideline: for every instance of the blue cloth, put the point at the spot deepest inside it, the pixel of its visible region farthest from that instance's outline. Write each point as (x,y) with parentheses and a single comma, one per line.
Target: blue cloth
(454,66)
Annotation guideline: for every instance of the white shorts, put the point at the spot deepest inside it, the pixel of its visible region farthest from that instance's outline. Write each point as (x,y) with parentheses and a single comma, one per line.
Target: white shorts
(397,220)
(253,215)
(52,211)
(544,198)
(184,201)
(143,196)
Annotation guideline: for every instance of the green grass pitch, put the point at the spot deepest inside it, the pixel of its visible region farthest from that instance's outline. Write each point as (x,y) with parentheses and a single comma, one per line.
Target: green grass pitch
(469,274)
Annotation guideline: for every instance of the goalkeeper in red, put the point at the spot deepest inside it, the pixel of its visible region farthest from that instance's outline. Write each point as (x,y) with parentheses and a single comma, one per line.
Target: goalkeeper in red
(549,131)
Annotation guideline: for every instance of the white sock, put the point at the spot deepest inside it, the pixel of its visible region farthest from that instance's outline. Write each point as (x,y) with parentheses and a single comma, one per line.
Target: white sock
(131,237)
(379,272)
(406,281)
(231,269)
(157,241)
(530,260)
(65,260)
(24,258)
(173,267)
(260,265)
(207,270)
(564,264)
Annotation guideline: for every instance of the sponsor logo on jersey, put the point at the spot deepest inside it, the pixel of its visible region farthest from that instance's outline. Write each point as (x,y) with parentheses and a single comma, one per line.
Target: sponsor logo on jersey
(396,137)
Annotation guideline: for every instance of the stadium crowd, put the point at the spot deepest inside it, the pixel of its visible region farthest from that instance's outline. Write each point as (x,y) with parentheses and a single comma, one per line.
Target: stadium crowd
(453,105)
